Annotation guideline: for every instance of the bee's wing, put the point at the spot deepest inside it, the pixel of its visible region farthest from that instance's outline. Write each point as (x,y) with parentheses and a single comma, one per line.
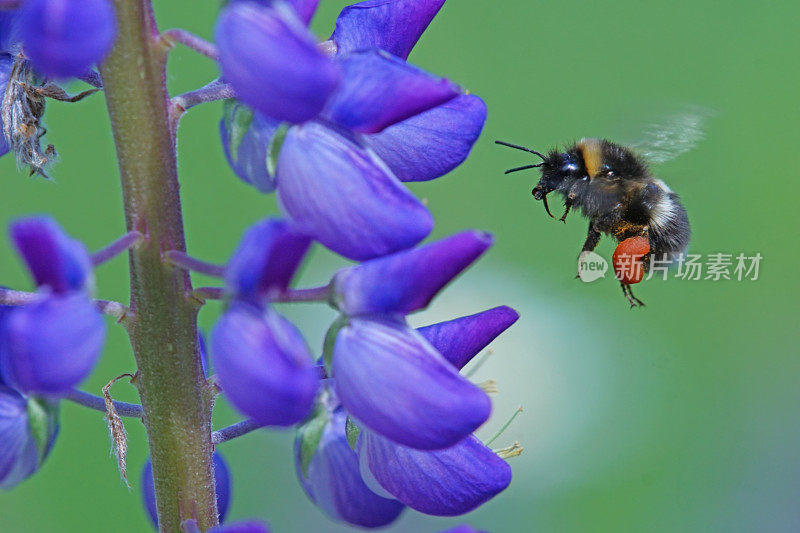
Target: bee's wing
(675,135)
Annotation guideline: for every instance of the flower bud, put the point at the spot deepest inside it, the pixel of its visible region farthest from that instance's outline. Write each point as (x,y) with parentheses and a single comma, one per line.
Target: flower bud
(28,428)
(64,38)
(222,483)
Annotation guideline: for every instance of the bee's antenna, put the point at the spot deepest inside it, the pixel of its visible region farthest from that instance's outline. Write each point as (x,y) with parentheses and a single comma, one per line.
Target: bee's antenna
(524,149)
(526,167)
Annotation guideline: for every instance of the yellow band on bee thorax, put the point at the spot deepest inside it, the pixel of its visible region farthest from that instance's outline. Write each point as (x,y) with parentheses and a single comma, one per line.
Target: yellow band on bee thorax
(591,150)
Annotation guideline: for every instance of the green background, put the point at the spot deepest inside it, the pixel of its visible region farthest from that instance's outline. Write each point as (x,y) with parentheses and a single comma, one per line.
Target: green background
(678,417)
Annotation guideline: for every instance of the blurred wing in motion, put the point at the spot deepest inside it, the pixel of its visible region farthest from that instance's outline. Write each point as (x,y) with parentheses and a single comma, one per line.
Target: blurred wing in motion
(674,136)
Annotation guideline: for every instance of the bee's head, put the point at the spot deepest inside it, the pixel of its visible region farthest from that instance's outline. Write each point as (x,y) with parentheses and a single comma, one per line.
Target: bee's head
(559,170)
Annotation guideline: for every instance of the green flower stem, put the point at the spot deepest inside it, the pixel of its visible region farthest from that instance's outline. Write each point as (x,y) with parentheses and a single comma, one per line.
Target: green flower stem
(174,393)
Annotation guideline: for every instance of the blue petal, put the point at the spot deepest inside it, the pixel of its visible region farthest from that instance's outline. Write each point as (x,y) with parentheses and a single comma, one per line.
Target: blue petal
(407,281)
(432,143)
(222,482)
(273,62)
(462,339)
(54,259)
(334,483)
(394,26)
(379,90)
(52,345)
(345,197)
(247,139)
(394,383)
(266,259)
(446,482)
(63,38)
(19,456)
(263,365)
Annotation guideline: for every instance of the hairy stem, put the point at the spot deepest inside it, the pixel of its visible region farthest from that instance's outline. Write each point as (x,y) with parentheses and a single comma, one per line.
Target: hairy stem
(175,396)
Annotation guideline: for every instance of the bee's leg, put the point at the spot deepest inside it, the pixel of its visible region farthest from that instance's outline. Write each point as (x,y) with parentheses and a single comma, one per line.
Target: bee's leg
(592,238)
(628,293)
(567,206)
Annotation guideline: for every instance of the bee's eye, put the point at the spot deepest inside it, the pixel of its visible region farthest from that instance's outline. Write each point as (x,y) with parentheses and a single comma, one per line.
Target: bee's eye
(607,171)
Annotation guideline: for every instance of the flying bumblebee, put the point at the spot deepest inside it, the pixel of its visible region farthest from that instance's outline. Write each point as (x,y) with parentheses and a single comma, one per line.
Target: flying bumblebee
(614,188)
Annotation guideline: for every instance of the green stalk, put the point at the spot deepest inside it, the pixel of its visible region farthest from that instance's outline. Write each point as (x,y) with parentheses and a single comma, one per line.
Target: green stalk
(163,329)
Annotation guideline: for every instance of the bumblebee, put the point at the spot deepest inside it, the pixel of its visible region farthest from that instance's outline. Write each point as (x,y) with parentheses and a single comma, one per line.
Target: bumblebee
(614,188)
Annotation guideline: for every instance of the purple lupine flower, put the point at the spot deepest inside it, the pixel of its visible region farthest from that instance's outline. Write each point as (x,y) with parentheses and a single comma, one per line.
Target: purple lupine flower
(444,482)
(28,429)
(222,485)
(261,360)
(263,365)
(64,38)
(388,376)
(457,479)
(419,126)
(266,259)
(52,344)
(396,384)
(273,61)
(329,473)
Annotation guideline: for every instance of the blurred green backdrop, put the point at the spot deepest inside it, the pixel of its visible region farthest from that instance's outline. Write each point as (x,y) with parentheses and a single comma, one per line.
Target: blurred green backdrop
(678,417)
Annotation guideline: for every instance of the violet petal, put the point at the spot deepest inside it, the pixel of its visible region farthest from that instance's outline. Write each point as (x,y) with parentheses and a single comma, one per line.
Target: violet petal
(344,196)
(334,483)
(394,383)
(51,345)
(63,38)
(55,260)
(432,143)
(461,339)
(446,482)
(273,61)
(379,90)
(407,281)
(263,365)
(266,259)
(394,26)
